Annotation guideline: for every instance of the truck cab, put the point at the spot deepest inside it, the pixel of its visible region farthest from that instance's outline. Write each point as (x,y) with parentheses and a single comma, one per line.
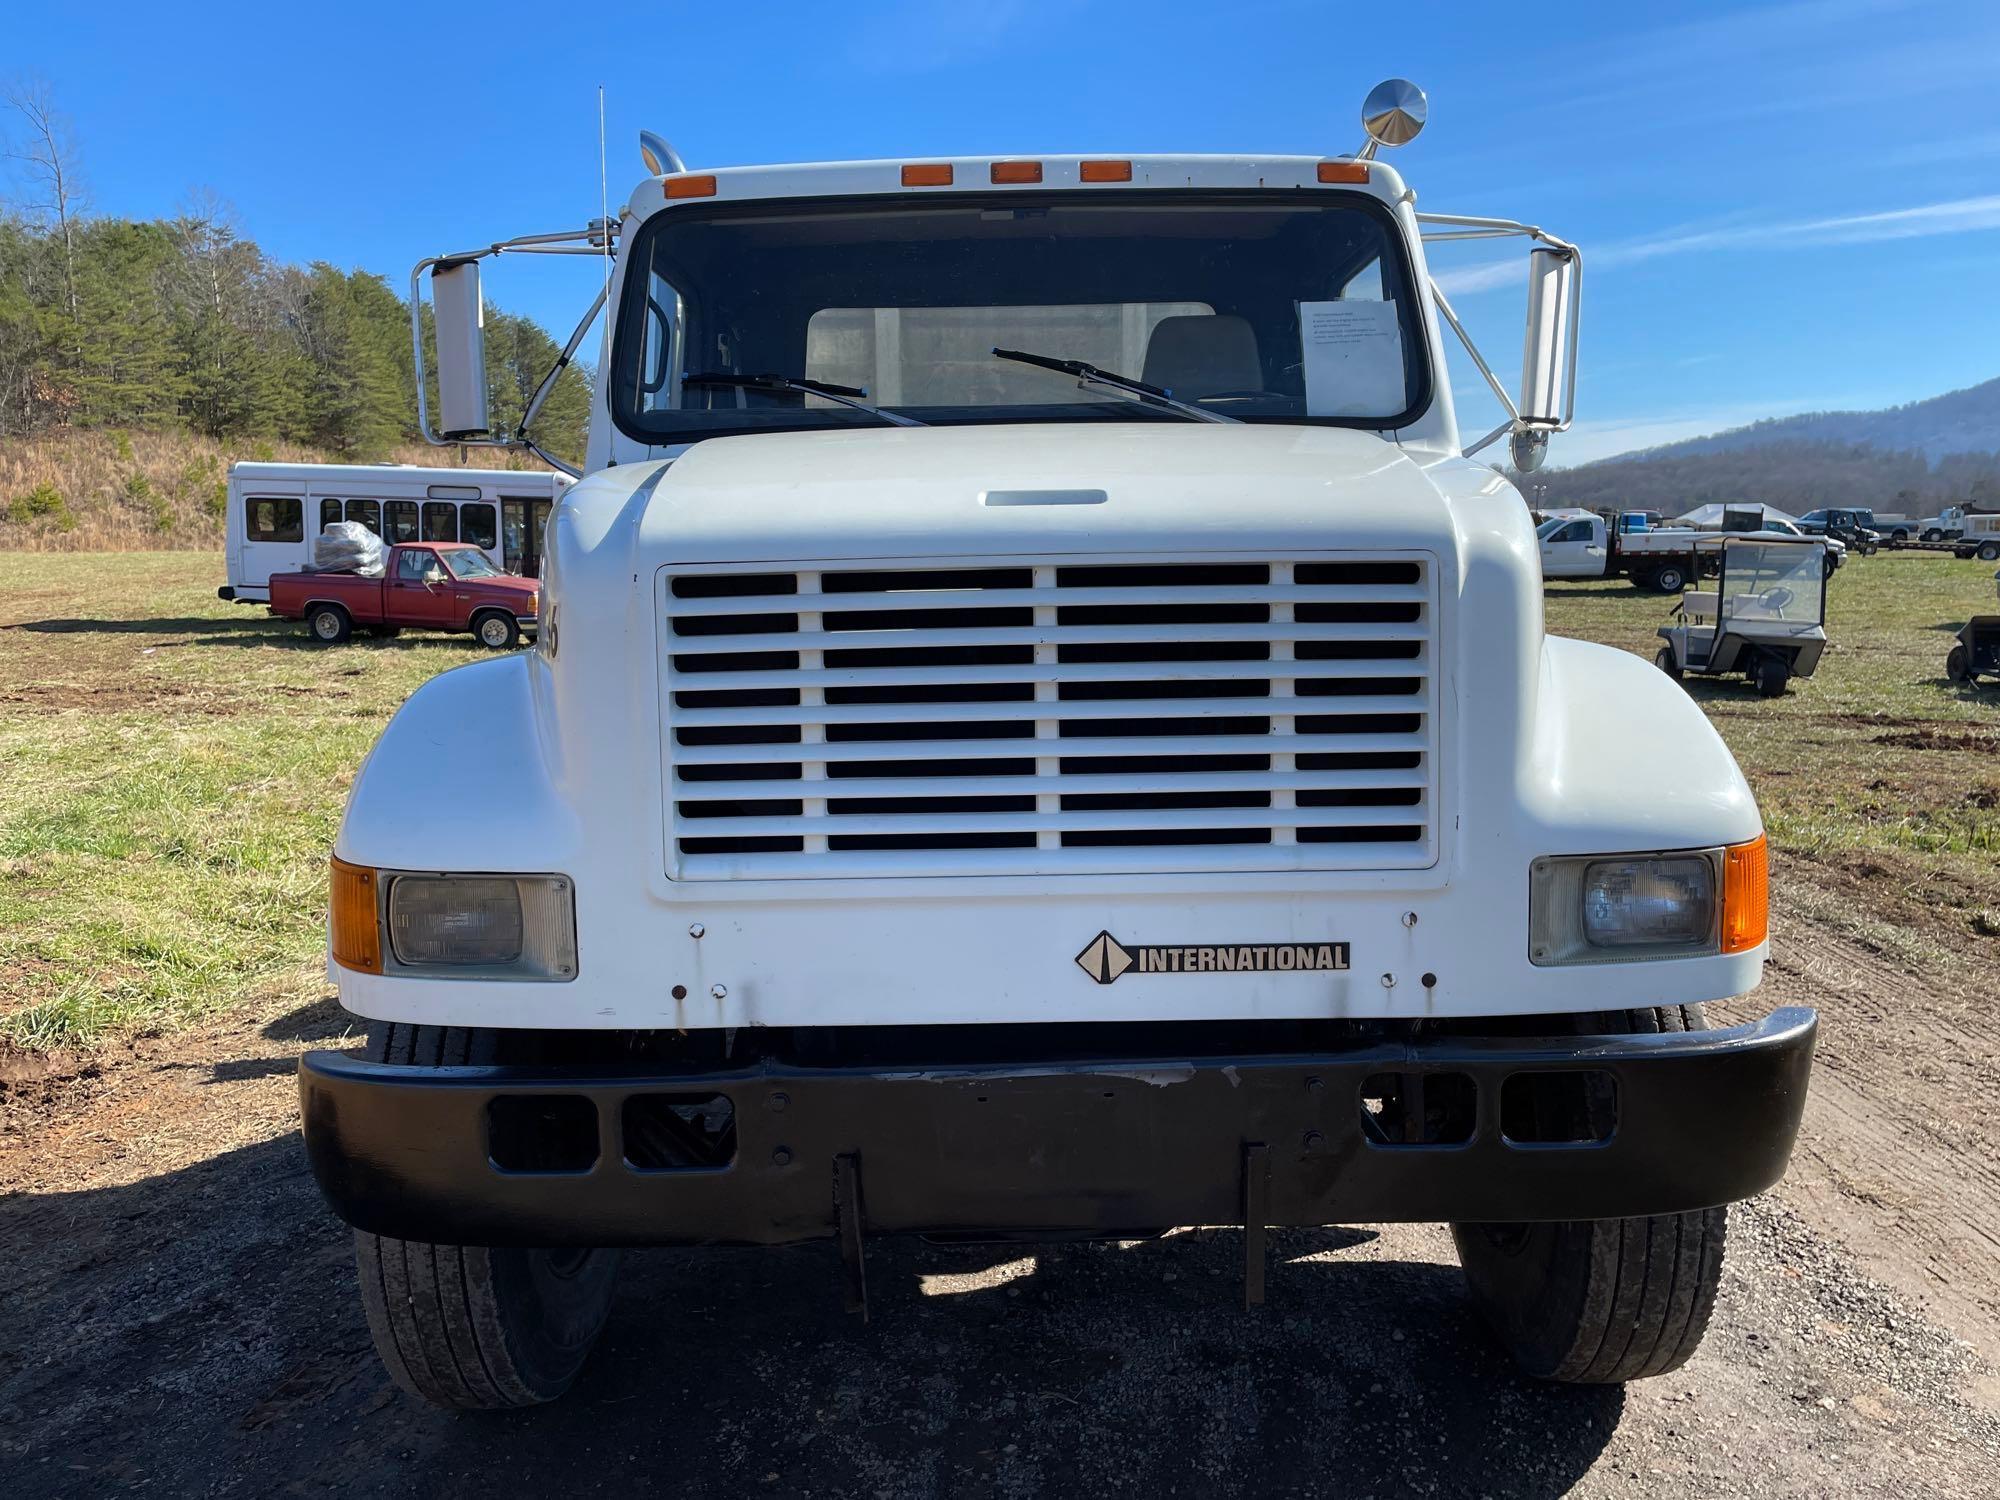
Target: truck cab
(1042,725)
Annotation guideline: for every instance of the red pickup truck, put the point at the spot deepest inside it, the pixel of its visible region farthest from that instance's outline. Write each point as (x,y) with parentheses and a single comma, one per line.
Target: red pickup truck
(427,585)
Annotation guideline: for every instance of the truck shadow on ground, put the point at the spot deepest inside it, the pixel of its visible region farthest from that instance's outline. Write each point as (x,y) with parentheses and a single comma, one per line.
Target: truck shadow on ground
(199,630)
(197,1331)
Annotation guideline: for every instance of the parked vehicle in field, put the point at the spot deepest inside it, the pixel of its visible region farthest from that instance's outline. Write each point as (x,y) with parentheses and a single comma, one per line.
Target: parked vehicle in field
(1666,558)
(1980,538)
(1042,728)
(1765,617)
(1853,525)
(423,586)
(1977,651)
(1947,525)
(272,512)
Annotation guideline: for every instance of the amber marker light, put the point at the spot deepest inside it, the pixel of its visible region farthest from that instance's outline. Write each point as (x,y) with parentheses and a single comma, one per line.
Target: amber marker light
(1016,171)
(927,174)
(1343,171)
(357,933)
(1746,895)
(701,185)
(1104,171)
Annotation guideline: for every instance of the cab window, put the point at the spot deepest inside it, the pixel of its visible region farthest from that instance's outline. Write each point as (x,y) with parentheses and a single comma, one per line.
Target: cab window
(414,566)
(274,519)
(1576,531)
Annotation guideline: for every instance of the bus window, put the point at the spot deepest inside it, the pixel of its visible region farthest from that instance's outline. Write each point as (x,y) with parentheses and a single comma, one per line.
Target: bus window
(329,512)
(274,520)
(402,518)
(440,521)
(367,512)
(476,525)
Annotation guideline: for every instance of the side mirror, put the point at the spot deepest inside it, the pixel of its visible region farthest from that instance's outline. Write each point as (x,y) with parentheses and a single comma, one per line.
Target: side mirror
(460,316)
(1545,353)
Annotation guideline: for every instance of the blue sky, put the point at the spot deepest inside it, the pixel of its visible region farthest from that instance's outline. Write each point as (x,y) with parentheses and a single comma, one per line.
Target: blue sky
(1783,206)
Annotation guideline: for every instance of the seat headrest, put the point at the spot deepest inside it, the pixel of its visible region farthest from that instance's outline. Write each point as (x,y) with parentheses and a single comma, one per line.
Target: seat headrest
(1203,355)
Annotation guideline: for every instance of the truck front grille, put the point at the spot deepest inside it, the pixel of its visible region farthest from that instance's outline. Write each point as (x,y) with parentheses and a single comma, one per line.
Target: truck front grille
(1051,717)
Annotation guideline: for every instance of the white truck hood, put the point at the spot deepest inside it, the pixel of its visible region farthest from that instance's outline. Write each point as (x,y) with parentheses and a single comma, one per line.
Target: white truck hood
(1142,487)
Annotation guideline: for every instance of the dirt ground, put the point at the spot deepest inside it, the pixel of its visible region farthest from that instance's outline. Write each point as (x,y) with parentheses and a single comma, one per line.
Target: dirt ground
(181,1319)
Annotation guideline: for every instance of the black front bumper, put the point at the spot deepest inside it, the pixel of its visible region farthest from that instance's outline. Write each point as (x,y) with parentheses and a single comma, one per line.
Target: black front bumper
(1701,1118)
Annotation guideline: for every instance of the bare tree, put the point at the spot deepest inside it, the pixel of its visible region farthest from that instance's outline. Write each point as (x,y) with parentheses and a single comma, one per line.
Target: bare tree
(48,155)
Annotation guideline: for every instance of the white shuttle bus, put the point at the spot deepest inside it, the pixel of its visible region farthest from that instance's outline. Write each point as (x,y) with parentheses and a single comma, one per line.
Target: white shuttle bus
(275,510)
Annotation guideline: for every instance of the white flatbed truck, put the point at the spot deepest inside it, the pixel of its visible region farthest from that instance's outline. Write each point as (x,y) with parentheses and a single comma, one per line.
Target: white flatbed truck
(1041,729)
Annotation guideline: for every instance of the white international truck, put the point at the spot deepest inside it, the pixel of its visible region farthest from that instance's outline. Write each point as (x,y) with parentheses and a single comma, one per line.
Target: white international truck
(1040,729)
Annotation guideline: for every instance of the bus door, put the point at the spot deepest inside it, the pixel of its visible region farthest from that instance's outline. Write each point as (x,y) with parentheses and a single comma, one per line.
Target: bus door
(525,528)
(273,536)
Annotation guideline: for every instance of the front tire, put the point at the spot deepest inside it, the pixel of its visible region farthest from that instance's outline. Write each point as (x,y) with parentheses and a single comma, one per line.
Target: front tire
(1958,665)
(466,1327)
(496,631)
(1665,661)
(1771,674)
(1600,1301)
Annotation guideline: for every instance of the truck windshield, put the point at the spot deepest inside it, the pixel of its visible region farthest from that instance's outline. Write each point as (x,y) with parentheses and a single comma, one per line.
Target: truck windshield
(468,562)
(1266,307)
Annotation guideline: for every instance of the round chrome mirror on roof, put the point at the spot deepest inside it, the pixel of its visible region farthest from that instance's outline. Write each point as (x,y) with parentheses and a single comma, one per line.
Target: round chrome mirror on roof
(1393,112)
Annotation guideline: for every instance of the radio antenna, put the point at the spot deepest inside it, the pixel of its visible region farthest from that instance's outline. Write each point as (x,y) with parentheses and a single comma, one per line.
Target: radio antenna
(603,197)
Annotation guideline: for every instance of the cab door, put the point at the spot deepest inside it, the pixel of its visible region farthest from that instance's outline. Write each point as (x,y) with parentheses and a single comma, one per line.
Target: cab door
(419,590)
(1574,551)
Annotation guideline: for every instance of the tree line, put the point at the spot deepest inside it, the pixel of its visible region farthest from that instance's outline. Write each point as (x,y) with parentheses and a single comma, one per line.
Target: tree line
(184,323)
(1794,476)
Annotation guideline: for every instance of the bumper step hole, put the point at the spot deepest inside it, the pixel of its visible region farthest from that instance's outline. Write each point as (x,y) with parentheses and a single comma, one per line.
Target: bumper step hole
(542,1133)
(1572,1108)
(1418,1109)
(679,1132)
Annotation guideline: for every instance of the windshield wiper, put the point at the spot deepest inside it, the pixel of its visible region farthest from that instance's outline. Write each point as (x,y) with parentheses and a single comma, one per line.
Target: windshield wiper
(846,395)
(1089,375)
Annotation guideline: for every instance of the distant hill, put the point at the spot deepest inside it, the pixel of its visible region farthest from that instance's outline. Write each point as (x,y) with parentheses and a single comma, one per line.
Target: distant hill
(1905,460)
(1966,421)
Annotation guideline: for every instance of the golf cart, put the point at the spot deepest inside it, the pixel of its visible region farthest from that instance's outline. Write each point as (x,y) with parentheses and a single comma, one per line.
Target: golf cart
(1977,653)
(1765,617)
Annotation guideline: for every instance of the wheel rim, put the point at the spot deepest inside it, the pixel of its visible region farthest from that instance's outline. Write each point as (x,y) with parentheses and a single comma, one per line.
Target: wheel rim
(325,626)
(494,633)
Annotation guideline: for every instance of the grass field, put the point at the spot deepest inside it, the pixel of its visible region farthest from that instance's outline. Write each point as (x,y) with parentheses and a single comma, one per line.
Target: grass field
(172,770)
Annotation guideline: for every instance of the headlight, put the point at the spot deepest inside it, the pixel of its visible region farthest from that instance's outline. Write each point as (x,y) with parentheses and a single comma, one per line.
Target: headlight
(454,926)
(1622,908)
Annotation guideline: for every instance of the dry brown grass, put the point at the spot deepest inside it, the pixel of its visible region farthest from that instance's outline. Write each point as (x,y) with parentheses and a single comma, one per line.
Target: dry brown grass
(150,491)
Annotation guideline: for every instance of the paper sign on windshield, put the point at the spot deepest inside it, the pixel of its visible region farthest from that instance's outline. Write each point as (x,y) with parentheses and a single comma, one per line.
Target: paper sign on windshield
(1353,358)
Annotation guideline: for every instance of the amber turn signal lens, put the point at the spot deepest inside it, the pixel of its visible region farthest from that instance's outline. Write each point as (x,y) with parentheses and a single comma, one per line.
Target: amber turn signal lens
(357,931)
(1343,171)
(699,186)
(1104,171)
(1017,171)
(1746,895)
(927,174)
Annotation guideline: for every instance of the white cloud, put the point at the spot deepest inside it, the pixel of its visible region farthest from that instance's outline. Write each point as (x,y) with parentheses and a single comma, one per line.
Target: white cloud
(1951,216)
